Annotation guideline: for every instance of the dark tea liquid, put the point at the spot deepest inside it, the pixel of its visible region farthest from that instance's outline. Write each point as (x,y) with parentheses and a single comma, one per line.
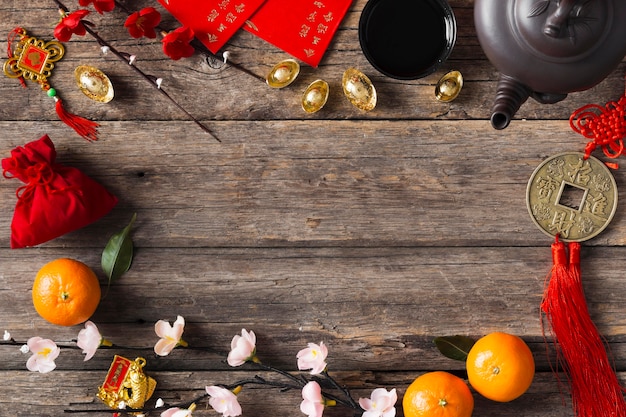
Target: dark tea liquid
(404,38)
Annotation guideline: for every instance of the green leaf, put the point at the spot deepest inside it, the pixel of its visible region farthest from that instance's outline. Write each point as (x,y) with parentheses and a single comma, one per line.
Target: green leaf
(118,253)
(454,347)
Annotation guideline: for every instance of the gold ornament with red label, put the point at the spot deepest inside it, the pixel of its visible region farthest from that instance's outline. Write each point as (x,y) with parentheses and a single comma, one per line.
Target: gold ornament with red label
(126,384)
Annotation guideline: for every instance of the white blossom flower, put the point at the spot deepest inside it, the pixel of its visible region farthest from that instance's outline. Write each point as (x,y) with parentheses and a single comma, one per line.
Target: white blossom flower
(224,401)
(7,336)
(312,401)
(242,348)
(170,336)
(45,351)
(90,339)
(24,349)
(313,357)
(132,59)
(380,404)
(159,403)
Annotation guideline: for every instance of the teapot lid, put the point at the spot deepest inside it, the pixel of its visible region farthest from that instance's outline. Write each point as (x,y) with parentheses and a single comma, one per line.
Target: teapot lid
(561,31)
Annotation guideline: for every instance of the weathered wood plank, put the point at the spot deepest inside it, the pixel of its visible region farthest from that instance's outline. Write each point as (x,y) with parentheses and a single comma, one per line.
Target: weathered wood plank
(226,94)
(64,390)
(314,183)
(374,306)
(373,232)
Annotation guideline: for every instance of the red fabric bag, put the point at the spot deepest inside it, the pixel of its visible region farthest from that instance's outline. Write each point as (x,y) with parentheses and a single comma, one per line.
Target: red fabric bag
(55,200)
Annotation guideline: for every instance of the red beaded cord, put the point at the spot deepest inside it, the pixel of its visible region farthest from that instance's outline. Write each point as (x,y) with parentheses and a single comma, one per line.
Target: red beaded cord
(606,126)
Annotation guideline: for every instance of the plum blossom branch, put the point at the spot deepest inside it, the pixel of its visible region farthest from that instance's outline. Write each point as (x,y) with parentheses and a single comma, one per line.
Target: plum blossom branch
(81,27)
(319,390)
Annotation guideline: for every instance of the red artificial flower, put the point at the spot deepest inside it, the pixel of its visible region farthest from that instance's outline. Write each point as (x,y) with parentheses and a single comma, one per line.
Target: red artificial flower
(101,6)
(143,22)
(176,43)
(70,25)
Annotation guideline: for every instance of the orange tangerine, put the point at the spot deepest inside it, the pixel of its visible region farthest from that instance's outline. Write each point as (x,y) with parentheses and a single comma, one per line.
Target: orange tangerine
(438,394)
(66,292)
(500,366)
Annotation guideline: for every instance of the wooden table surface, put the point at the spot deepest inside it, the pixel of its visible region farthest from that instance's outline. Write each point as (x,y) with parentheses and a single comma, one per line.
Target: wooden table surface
(372,232)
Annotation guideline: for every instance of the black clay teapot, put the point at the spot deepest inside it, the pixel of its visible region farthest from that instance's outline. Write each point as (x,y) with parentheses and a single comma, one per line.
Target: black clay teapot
(545,49)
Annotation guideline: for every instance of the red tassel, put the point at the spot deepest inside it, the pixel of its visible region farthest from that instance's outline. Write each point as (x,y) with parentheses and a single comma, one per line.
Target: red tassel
(595,389)
(88,129)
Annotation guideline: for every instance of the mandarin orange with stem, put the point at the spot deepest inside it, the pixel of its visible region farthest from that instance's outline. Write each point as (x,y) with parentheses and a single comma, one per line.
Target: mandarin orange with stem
(66,292)
(500,366)
(438,394)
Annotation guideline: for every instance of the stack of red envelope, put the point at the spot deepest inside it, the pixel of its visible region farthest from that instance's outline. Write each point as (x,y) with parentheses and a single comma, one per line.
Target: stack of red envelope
(302,28)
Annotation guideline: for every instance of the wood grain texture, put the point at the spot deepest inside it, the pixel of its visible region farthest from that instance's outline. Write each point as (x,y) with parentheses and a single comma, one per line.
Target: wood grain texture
(373,232)
(542,398)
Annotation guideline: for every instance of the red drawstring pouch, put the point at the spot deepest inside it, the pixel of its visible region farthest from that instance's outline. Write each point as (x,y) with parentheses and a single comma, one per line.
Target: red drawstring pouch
(55,199)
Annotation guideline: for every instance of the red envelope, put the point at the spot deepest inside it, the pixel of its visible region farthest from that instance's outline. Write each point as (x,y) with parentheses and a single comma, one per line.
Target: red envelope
(214,22)
(302,28)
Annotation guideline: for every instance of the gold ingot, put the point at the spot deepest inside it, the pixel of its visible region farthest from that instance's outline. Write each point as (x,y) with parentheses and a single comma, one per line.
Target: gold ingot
(283,73)
(359,89)
(449,86)
(94,83)
(315,96)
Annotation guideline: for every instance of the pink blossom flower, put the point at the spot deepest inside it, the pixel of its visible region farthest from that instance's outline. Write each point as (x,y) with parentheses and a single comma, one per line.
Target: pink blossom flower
(179,412)
(90,339)
(170,336)
(101,6)
(70,25)
(313,357)
(143,22)
(313,403)
(223,401)
(242,348)
(45,351)
(380,404)
(176,43)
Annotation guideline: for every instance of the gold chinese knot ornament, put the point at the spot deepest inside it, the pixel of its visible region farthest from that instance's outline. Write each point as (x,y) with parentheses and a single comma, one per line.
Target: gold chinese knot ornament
(126,384)
(33,59)
(572,196)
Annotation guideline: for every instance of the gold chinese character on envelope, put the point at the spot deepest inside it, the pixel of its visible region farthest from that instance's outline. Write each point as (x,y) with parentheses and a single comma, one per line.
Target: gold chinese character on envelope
(126,383)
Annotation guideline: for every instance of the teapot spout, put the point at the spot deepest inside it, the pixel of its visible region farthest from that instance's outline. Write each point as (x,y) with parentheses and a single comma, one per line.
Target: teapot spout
(511,94)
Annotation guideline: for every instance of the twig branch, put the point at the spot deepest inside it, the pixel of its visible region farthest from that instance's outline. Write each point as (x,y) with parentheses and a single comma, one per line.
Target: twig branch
(72,345)
(343,389)
(302,381)
(135,411)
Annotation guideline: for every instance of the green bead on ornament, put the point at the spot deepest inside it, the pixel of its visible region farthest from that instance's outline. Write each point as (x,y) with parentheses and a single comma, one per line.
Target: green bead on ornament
(52,92)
